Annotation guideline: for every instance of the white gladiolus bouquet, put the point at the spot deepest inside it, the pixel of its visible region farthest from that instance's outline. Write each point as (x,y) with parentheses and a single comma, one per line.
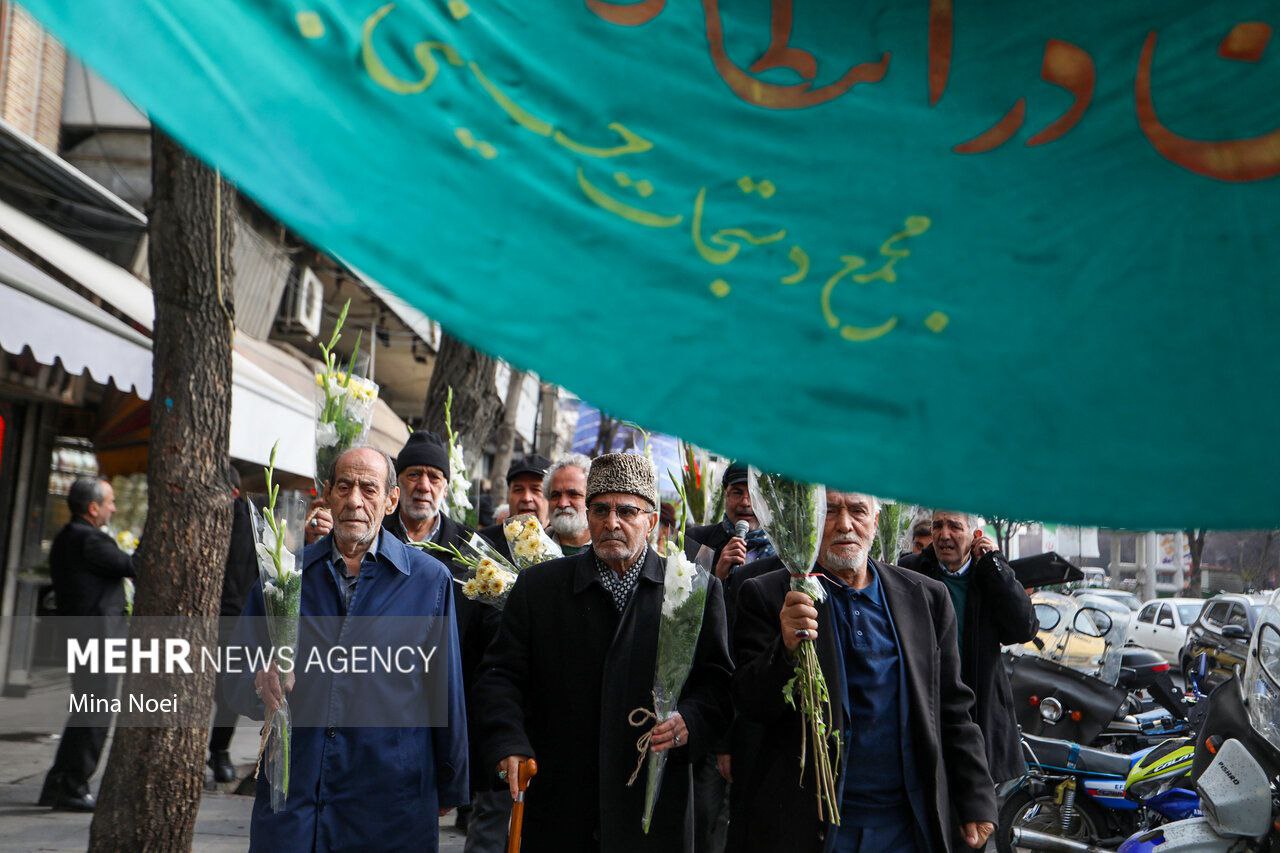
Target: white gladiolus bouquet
(344,404)
(459,486)
(529,543)
(792,515)
(282,601)
(684,601)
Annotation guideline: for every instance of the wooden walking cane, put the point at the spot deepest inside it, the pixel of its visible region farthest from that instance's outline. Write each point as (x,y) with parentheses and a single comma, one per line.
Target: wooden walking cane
(526,770)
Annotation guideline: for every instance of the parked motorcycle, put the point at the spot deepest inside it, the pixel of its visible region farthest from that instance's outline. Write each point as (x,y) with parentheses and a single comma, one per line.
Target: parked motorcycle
(1079,681)
(1092,796)
(1236,767)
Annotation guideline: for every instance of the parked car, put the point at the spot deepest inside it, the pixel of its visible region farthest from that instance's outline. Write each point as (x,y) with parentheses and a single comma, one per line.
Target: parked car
(1163,623)
(1128,599)
(1222,631)
(1094,578)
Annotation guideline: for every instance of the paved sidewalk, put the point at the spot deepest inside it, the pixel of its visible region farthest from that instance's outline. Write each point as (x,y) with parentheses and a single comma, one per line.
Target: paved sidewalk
(29,731)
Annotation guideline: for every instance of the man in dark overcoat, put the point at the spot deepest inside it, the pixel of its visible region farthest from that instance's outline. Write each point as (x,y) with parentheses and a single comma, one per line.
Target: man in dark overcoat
(576,653)
(88,570)
(912,773)
(422,470)
(992,610)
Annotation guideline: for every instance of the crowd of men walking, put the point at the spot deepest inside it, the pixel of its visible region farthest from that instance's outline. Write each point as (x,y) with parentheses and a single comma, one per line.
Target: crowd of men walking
(910,653)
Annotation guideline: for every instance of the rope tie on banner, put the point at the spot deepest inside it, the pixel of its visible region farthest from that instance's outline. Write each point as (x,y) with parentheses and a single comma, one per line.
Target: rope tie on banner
(643,717)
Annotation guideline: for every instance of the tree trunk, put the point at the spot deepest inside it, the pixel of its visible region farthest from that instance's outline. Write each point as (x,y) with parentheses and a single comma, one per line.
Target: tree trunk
(1195,544)
(548,408)
(154,778)
(1005,529)
(475,400)
(504,441)
(605,435)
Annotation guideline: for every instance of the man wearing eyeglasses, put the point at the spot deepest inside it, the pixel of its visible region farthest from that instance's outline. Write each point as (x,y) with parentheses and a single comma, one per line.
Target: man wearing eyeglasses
(730,550)
(575,655)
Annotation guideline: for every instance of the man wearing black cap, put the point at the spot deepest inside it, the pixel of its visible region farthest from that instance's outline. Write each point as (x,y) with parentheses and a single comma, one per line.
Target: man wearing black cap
(731,550)
(524,495)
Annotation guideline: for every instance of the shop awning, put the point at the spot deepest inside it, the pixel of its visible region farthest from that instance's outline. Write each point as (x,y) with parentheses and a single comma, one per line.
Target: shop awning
(114,284)
(58,325)
(262,407)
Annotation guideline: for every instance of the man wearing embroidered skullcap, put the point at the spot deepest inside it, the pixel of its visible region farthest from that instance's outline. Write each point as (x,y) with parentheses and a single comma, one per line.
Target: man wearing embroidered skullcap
(575,655)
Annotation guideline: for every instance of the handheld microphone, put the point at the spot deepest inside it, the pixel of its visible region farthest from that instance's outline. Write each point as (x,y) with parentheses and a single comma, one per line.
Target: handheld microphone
(740,530)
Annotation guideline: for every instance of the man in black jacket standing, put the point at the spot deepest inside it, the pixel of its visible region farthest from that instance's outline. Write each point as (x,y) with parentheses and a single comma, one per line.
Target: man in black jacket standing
(992,610)
(88,569)
(912,774)
(575,656)
(729,550)
(241,572)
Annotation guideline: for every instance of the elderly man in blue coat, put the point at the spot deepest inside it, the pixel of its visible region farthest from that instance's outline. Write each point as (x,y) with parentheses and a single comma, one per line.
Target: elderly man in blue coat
(379,743)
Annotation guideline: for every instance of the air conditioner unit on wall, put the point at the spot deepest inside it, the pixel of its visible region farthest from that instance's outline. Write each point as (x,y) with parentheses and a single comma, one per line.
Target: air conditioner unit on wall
(303,304)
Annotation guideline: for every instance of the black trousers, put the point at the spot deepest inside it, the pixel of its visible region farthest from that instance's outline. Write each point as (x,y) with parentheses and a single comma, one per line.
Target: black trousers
(82,739)
(710,807)
(224,718)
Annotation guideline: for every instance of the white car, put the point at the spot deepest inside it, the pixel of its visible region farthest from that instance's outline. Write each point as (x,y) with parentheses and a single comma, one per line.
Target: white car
(1162,625)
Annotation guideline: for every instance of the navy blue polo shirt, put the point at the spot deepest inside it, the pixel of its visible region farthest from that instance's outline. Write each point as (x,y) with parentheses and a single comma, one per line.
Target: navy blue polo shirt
(879,764)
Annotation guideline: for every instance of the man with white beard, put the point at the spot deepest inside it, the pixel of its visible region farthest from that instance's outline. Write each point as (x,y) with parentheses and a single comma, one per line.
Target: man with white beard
(912,773)
(566,489)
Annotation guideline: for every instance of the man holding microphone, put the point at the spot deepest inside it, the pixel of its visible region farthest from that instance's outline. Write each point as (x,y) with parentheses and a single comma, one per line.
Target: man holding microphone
(737,539)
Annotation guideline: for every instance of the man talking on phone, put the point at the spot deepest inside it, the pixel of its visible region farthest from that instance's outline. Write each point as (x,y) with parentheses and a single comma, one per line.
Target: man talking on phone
(992,610)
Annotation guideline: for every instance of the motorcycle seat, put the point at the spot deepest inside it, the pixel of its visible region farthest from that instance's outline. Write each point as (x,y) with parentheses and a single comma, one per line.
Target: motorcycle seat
(1053,753)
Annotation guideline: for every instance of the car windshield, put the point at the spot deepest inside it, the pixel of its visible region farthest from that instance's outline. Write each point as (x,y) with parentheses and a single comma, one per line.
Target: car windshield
(1187,613)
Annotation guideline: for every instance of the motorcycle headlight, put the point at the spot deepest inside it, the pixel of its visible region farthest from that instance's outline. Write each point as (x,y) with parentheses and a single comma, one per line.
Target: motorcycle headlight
(1050,710)
(1150,788)
(1145,790)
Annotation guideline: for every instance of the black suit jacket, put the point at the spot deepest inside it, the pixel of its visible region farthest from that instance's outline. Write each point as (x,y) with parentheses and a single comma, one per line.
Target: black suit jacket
(87,569)
(780,811)
(559,682)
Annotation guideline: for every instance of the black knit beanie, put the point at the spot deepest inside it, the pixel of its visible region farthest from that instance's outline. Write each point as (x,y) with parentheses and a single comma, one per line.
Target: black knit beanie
(424,448)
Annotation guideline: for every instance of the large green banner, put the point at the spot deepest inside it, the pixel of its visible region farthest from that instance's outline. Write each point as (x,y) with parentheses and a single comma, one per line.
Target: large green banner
(1016,258)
